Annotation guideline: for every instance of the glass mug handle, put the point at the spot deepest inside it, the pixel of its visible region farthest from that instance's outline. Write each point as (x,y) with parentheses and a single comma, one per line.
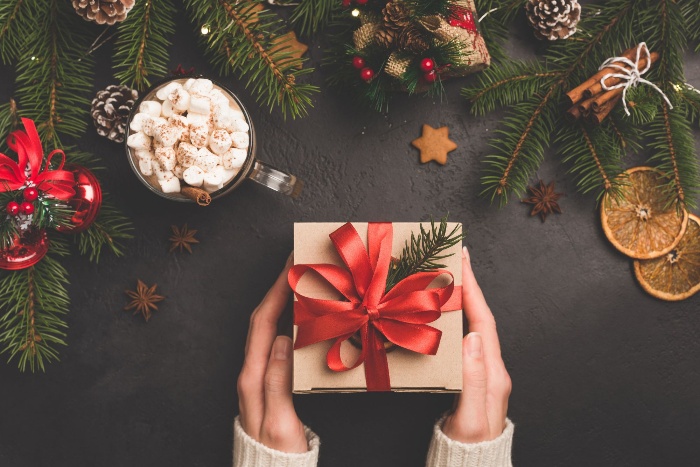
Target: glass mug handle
(275,179)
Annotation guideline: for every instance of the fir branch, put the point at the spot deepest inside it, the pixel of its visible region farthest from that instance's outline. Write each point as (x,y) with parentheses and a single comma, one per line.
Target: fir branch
(423,252)
(247,42)
(310,16)
(691,99)
(142,47)
(53,74)
(33,302)
(109,231)
(498,16)
(51,213)
(12,14)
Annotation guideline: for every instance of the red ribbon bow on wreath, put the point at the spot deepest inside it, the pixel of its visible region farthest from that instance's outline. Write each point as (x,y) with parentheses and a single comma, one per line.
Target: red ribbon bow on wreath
(27,171)
(400,315)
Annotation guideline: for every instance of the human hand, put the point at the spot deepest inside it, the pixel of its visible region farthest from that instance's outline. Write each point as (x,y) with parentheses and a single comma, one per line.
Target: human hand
(265,384)
(480,412)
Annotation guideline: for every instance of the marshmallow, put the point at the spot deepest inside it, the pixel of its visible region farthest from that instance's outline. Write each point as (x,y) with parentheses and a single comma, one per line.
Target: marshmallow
(227,175)
(237,114)
(188,84)
(218,98)
(136,121)
(143,154)
(223,119)
(219,141)
(201,87)
(138,141)
(167,109)
(193,176)
(161,173)
(165,91)
(234,158)
(186,154)
(180,99)
(146,167)
(171,185)
(149,124)
(240,139)
(199,134)
(151,108)
(213,181)
(239,125)
(178,171)
(166,134)
(206,160)
(166,158)
(200,105)
(193,118)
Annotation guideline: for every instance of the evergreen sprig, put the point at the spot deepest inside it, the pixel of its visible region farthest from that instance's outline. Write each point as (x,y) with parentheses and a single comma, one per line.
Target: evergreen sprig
(311,16)
(250,43)
(424,252)
(12,36)
(32,304)
(108,231)
(142,47)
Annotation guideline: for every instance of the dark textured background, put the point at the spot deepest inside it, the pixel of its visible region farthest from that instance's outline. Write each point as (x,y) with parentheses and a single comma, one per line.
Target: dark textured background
(603,374)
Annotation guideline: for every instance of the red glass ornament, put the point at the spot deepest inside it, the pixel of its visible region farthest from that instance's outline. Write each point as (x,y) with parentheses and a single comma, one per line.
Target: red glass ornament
(12,208)
(358,62)
(367,73)
(31,193)
(87,200)
(26,208)
(346,3)
(361,2)
(427,64)
(431,76)
(26,250)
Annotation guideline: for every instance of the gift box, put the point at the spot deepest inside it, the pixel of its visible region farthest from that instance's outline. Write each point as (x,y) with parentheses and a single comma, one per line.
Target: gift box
(351,334)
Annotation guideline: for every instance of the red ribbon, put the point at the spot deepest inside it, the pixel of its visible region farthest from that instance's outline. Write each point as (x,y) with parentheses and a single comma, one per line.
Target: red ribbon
(27,170)
(400,315)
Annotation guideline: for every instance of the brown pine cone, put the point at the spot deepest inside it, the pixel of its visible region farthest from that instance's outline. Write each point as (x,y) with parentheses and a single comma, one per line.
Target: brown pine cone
(395,16)
(412,39)
(385,37)
(110,111)
(103,11)
(553,19)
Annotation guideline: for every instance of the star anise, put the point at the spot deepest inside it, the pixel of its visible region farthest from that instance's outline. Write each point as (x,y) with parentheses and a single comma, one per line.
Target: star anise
(144,299)
(543,199)
(182,238)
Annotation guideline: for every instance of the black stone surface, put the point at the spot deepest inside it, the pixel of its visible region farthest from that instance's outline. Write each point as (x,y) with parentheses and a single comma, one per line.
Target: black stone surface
(603,374)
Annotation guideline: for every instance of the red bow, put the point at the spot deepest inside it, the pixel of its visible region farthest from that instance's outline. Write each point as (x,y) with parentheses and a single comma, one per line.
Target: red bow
(400,315)
(27,171)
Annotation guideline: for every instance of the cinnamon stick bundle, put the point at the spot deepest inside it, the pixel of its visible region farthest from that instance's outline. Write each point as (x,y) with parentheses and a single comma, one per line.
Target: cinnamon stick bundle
(197,195)
(577,93)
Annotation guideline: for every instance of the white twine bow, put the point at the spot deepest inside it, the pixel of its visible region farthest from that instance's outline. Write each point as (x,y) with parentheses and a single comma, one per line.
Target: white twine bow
(630,74)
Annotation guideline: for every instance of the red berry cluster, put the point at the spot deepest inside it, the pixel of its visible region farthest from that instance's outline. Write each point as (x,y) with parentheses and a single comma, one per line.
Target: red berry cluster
(366,73)
(30,194)
(427,66)
(347,3)
(462,18)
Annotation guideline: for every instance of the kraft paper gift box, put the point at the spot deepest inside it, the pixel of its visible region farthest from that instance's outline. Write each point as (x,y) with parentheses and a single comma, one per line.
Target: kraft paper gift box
(408,370)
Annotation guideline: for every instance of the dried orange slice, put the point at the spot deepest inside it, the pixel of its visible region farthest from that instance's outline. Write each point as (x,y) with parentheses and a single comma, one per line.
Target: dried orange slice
(640,223)
(676,275)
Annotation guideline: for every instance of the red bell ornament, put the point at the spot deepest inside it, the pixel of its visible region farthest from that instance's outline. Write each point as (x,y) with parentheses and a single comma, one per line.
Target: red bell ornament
(27,249)
(87,200)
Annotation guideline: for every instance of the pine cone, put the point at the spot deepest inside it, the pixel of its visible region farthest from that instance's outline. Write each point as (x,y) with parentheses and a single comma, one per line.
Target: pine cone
(395,16)
(103,11)
(385,37)
(110,111)
(553,19)
(412,39)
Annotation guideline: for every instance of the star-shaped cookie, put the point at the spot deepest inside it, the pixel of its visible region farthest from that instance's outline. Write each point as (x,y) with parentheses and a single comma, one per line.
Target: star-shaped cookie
(295,48)
(434,144)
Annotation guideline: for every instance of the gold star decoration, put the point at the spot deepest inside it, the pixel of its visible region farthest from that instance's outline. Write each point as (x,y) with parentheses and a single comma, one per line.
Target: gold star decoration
(182,238)
(434,144)
(292,46)
(543,199)
(143,299)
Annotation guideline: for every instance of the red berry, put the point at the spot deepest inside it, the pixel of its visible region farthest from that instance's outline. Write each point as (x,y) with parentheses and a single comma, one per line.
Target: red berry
(358,62)
(367,73)
(27,208)
(31,193)
(361,2)
(427,64)
(430,76)
(12,208)
(346,3)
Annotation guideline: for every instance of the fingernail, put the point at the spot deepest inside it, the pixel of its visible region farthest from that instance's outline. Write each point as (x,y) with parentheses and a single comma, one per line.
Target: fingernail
(281,348)
(465,253)
(474,344)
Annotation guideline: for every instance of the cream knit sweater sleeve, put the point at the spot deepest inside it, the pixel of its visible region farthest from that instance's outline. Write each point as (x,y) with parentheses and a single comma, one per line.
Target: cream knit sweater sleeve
(443,452)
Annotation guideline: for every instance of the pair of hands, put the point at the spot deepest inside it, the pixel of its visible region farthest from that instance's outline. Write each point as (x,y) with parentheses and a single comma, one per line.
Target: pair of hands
(265,384)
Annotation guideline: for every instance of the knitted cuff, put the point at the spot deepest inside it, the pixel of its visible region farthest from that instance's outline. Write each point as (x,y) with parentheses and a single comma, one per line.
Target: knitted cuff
(445,452)
(250,453)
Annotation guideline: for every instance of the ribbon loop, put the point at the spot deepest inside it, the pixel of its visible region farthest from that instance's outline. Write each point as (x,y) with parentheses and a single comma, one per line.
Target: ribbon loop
(401,315)
(630,75)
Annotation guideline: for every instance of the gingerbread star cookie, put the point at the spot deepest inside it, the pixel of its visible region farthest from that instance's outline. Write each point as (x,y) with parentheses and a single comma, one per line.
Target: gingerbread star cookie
(434,144)
(295,48)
